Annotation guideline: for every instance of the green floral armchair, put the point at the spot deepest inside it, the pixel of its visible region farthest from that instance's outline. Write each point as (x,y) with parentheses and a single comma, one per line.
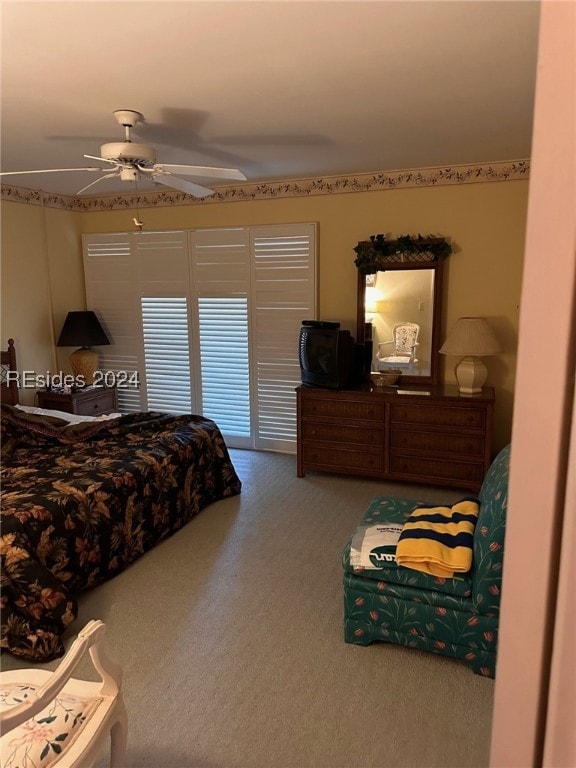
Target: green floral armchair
(456,617)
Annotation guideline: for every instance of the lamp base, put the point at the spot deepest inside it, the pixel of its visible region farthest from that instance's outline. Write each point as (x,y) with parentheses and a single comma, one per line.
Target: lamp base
(471,374)
(84,363)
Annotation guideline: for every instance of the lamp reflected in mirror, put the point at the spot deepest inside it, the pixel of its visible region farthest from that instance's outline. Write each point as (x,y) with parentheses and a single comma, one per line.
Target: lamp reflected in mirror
(371,306)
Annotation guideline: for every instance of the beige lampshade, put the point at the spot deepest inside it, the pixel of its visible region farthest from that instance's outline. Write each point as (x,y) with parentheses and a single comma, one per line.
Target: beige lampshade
(470,336)
(473,337)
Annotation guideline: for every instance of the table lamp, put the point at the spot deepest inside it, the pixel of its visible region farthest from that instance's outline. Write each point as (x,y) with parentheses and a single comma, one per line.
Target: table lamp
(472,337)
(83,329)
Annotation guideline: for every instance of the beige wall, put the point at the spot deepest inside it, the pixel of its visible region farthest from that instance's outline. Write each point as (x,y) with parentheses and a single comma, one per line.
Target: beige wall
(66,272)
(485,222)
(41,276)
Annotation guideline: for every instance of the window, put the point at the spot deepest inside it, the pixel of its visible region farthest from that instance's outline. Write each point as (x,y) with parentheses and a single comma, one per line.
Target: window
(210,320)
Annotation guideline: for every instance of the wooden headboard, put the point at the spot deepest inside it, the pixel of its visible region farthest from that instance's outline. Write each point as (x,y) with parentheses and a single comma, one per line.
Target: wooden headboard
(8,387)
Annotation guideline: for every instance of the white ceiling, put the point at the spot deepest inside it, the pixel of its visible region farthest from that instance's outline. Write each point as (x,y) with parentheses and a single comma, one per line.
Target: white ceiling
(281,90)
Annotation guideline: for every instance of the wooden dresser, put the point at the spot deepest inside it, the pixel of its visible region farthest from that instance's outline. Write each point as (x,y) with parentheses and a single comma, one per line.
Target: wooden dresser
(433,435)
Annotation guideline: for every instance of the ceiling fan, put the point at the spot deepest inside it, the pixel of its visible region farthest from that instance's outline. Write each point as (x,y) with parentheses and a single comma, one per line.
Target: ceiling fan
(129,162)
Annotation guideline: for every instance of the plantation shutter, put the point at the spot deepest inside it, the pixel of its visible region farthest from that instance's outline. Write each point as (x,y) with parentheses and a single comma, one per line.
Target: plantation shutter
(284,294)
(111,275)
(164,288)
(209,319)
(220,269)
(133,280)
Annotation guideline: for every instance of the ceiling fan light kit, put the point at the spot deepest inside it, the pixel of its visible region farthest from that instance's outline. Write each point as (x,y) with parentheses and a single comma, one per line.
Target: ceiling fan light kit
(129,161)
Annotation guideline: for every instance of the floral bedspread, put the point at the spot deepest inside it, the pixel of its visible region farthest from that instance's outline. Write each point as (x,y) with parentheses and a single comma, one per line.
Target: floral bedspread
(80,503)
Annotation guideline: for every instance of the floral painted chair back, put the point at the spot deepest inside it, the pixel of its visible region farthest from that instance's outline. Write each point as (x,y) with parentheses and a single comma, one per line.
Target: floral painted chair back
(489,536)
(406,338)
(405,341)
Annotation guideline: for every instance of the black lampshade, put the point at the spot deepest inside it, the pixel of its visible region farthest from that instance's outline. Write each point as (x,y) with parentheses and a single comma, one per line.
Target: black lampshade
(82,329)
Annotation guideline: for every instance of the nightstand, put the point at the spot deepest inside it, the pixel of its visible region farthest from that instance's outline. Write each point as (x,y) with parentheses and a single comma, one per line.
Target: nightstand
(90,402)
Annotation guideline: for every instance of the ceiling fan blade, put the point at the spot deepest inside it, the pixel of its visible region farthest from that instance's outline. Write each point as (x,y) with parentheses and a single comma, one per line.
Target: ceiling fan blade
(102,159)
(49,170)
(169,180)
(202,170)
(106,176)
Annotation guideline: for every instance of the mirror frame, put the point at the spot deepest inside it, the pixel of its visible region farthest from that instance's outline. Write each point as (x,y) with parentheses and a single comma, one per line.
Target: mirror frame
(407,264)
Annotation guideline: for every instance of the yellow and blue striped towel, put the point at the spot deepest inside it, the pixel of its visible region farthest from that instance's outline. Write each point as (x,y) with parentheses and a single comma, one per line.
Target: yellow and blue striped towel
(438,540)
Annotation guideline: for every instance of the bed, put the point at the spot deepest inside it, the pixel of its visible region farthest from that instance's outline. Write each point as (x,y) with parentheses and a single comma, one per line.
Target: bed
(82,501)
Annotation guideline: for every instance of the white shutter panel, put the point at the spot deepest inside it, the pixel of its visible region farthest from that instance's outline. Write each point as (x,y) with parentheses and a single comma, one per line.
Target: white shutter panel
(166,354)
(284,294)
(120,269)
(224,359)
(164,286)
(111,276)
(221,280)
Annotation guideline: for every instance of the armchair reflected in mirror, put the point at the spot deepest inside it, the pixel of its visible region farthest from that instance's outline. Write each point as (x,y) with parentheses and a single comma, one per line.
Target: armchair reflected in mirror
(400,350)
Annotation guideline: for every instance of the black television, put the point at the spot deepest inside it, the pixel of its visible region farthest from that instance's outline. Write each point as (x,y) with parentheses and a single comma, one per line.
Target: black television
(328,355)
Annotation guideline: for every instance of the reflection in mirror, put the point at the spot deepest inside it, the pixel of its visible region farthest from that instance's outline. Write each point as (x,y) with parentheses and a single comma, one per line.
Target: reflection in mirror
(399,304)
(400,307)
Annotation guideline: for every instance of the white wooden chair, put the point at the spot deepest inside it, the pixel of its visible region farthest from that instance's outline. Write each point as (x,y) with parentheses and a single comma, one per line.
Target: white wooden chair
(405,341)
(49,718)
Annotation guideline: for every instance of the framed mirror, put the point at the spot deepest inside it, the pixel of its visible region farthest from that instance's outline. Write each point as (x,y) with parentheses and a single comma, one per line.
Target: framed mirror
(400,311)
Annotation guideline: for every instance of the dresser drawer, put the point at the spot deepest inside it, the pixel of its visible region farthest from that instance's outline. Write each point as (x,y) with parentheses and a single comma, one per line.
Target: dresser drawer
(341,459)
(345,434)
(343,409)
(439,415)
(467,446)
(437,469)
(104,402)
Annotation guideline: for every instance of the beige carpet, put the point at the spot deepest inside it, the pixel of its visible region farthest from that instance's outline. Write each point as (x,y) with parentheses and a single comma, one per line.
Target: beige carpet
(230,636)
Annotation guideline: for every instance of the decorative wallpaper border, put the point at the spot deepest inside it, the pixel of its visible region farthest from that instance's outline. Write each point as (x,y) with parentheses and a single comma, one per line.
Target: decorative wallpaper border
(327,185)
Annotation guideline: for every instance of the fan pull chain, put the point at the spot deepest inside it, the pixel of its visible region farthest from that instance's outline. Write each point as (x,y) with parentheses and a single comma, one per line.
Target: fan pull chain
(137,223)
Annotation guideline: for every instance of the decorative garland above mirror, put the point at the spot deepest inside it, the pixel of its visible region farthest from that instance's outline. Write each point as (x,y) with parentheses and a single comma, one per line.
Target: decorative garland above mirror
(373,255)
